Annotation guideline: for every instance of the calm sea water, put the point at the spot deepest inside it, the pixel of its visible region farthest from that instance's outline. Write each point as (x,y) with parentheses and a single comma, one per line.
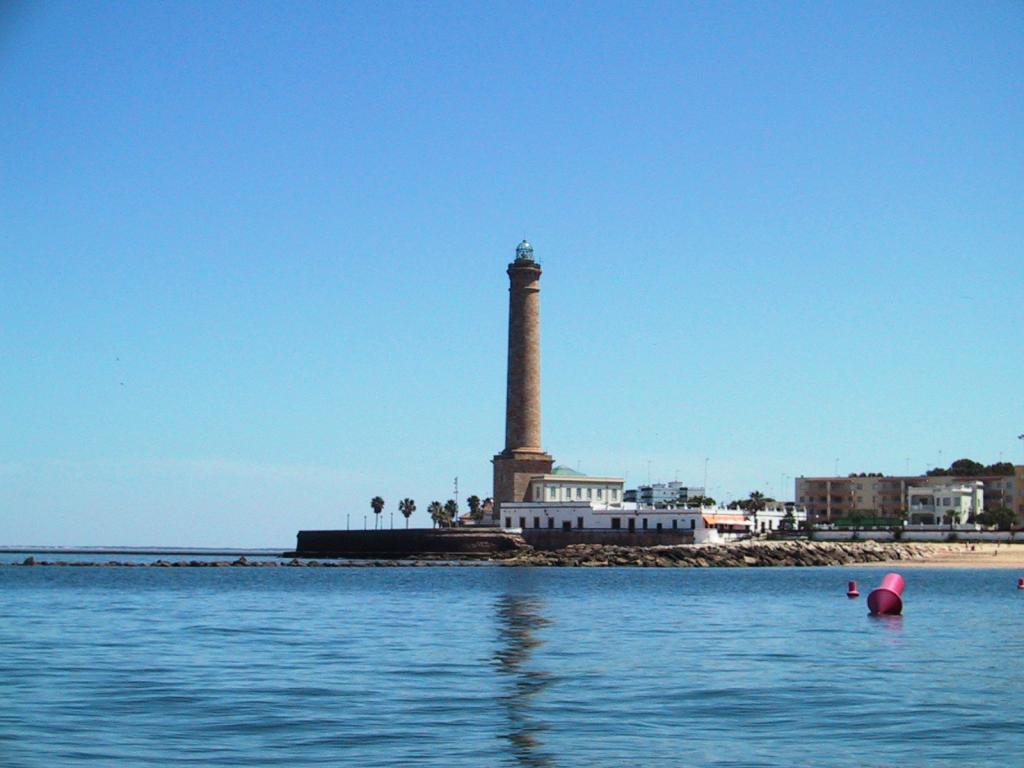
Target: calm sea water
(506,666)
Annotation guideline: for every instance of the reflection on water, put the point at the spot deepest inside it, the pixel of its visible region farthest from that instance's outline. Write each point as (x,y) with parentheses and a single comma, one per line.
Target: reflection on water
(518,619)
(892,623)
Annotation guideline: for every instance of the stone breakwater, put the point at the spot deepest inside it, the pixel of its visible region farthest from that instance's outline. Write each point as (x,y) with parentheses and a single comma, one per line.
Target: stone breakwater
(747,554)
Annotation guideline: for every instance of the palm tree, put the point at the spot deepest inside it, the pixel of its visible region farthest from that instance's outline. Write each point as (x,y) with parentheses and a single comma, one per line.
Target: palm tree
(436,512)
(789,520)
(378,506)
(755,504)
(451,510)
(407,507)
(952,518)
(474,507)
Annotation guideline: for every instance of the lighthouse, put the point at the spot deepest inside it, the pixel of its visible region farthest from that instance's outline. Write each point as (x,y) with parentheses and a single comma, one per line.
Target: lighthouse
(523,457)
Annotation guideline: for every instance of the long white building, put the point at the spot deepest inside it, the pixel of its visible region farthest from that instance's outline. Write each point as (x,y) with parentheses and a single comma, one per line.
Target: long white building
(707,524)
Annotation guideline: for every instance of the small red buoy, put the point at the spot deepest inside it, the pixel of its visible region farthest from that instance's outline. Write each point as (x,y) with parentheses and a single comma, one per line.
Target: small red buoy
(887,600)
(851,589)
(1020,583)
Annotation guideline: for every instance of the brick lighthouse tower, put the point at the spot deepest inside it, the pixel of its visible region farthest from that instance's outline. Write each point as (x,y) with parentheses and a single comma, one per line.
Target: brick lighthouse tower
(523,456)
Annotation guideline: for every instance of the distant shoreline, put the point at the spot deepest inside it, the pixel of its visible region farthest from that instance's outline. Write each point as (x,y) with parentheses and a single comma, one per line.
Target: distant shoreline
(200,551)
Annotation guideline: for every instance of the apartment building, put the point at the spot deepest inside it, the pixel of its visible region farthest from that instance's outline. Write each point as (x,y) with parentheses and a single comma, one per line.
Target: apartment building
(832,498)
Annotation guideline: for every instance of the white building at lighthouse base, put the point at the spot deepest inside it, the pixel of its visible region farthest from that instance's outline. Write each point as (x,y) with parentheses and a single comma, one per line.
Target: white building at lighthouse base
(706,524)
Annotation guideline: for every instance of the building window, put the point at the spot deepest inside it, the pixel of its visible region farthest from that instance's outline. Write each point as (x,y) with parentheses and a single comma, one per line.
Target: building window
(632,523)
(693,523)
(536,494)
(658,528)
(566,526)
(536,522)
(616,523)
(600,493)
(579,493)
(508,522)
(579,522)
(522,522)
(645,523)
(551,522)
(675,524)
(551,493)
(590,493)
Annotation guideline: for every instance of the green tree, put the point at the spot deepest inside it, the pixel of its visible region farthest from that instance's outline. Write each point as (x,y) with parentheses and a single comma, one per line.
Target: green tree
(451,510)
(999,468)
(436,512)
(473,502)
(695,502)
(756,502)
(972,468)
(407,507)
(901,517)
(1002,518)
(377,503)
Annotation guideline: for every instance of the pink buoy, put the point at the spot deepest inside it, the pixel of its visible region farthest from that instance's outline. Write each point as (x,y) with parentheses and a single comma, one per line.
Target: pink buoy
(886,599)
(1020,583)
(851,589)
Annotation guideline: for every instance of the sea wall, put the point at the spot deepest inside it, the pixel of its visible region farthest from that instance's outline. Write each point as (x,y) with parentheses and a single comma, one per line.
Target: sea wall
(405,542)
(909,534)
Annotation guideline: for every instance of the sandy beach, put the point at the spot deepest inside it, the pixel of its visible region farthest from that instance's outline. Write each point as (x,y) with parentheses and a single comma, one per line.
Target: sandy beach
(966,555)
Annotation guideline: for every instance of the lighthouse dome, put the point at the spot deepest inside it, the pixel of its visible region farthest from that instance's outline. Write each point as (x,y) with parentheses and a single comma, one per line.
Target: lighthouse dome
(524,251)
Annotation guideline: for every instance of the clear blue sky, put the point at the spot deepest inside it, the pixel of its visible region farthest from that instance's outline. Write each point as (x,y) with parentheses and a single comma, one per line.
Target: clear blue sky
(253,254)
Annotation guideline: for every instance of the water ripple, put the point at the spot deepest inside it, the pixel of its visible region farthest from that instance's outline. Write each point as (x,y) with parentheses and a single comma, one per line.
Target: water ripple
(493,666)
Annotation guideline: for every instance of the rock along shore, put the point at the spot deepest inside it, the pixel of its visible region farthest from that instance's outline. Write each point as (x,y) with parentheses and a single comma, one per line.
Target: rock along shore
(745,554)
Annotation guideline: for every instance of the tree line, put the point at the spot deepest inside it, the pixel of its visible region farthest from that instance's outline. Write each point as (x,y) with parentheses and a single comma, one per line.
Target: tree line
(972,468)
(441,515)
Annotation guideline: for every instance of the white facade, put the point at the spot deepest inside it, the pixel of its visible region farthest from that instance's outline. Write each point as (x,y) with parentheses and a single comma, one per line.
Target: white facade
(934,503)
(774,517)
(568,515)
(564,487)
(708,524)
